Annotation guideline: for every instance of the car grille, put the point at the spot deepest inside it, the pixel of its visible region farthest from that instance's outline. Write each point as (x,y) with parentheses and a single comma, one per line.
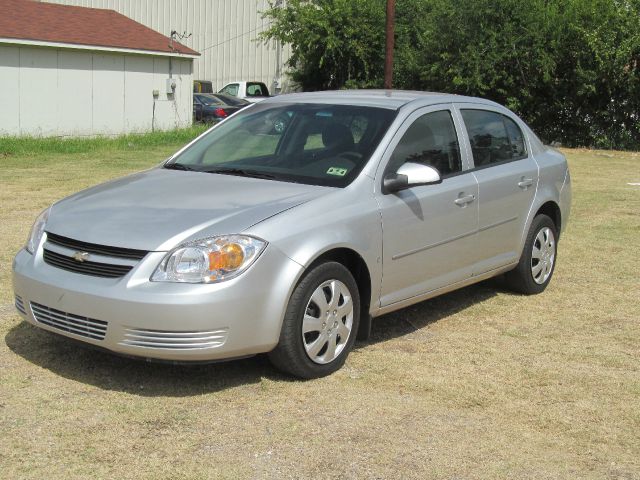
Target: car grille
(68,322)
(174,340)
(20,305)
(105,250)
(96,269)
(58,251)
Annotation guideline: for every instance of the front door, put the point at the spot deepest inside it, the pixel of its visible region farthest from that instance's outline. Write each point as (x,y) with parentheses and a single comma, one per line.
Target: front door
(428,231)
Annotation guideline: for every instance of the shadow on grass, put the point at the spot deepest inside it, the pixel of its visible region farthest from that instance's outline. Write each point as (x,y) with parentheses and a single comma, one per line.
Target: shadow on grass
(79,362)
(75,361)
(412,318)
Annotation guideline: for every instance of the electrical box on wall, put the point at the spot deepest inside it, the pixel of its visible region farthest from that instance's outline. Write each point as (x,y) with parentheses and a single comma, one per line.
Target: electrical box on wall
(171,86)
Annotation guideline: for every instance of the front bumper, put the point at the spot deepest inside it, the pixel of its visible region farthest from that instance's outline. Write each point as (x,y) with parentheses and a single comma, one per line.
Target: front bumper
(168,321)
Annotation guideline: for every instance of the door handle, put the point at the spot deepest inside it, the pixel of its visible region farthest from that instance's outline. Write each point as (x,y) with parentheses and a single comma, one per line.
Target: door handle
(464,200)
(525,183)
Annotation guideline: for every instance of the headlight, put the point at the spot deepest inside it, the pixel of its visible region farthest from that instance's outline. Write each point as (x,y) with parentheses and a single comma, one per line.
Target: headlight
(37,231)
(209,260)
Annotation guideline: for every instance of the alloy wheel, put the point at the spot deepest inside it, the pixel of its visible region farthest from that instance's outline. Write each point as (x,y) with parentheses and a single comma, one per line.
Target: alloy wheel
(543,255)
(327,322)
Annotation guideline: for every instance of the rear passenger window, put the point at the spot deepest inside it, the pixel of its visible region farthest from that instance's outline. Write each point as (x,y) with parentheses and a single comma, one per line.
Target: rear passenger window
(494,138)
(430,140)
(515,138)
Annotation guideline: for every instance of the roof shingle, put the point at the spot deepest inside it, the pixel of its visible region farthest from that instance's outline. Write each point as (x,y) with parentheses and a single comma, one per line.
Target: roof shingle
(31,20)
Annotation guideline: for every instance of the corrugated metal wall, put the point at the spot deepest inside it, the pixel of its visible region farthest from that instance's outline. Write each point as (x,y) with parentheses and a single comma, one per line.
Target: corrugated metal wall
(225,33)
(65,92)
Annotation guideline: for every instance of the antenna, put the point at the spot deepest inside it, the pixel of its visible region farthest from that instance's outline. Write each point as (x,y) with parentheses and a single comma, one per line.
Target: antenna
(179,36)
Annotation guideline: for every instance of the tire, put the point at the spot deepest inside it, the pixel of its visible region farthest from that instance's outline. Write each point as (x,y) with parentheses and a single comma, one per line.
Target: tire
(538,259)
(326,304)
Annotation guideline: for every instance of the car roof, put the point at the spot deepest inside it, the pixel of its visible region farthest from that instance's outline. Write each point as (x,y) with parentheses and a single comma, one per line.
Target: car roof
(392,99)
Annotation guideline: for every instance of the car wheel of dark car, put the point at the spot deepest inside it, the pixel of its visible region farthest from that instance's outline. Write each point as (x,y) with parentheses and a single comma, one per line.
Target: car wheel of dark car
(535,269)
(320,324)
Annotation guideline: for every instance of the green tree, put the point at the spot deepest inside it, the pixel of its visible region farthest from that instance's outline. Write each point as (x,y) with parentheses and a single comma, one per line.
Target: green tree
(333,42)
(570,68)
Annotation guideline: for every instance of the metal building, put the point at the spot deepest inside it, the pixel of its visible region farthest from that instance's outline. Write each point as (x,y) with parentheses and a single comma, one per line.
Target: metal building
(66,70)
(224,32)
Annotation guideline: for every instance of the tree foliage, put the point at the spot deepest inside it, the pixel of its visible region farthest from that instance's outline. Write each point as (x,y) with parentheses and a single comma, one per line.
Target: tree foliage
(570,68)
(333,42)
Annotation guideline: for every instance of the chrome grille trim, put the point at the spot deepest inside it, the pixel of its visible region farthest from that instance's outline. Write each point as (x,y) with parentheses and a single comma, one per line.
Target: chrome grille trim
(20,305)
(174,340)
(106,250)
(68,322)
(96,269)
(94,257)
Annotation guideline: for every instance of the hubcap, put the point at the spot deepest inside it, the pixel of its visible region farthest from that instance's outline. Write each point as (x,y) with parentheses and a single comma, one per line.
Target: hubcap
(543,255)
(327,322)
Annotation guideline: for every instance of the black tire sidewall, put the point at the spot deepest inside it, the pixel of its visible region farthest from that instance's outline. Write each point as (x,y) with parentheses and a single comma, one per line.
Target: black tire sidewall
(528,284)
(290,354)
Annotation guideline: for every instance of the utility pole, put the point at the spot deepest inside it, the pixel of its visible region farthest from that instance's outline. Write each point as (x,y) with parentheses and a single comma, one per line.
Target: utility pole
(276,86)
(388,58)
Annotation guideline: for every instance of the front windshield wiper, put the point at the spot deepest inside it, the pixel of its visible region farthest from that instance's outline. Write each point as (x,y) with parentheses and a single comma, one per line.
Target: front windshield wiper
(241,173)
(178,166)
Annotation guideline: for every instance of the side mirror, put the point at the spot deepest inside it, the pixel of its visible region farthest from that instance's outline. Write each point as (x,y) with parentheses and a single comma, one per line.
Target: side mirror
(410,175)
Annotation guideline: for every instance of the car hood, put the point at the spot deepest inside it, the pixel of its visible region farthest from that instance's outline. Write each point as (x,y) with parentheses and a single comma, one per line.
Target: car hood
(160,208)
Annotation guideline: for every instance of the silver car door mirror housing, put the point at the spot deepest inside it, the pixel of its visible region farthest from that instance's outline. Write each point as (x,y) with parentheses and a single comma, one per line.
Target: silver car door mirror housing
(411,174)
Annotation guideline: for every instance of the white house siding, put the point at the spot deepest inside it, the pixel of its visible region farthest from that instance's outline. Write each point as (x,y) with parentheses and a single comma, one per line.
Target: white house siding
(48,91)
(224,32)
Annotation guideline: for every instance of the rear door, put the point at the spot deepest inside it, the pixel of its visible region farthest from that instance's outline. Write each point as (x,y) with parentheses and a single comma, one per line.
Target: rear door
(507,178)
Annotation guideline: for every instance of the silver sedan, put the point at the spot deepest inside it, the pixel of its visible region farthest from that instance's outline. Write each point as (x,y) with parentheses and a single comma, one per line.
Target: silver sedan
(288,226)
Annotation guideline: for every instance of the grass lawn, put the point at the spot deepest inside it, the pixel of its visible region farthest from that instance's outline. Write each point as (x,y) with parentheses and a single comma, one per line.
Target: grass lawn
(479,383)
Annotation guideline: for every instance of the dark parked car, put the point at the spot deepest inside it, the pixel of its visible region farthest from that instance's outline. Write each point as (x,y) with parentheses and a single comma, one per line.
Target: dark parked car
(213,107)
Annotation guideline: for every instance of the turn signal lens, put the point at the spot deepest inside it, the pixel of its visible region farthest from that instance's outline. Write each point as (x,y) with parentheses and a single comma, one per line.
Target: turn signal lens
(209,260)
(229,257)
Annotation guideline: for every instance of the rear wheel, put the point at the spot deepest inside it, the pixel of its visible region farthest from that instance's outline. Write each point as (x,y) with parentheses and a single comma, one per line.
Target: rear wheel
(538,260)
(320,323)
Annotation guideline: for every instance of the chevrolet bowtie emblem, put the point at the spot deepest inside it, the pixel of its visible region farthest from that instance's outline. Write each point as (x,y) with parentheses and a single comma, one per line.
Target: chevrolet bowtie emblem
(81,256)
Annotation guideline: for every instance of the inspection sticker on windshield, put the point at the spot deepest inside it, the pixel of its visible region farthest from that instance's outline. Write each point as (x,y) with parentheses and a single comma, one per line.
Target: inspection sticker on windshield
(339,172)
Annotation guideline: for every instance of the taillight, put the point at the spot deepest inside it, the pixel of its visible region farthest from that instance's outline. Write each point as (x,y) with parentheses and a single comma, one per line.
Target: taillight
(219,112)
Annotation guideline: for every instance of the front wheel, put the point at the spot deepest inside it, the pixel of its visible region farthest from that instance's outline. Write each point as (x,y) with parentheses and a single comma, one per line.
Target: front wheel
(538,260)
(320,323)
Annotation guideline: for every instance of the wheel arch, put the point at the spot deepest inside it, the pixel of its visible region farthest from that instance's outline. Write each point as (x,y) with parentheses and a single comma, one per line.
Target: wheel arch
(356,265)
(552,210)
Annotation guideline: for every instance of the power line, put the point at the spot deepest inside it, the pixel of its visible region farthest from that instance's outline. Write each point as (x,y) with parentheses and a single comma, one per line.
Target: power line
(229,39)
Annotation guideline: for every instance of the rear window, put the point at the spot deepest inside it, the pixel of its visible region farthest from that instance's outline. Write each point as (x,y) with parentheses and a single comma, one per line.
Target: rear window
(229,100)
(209,100)
(257,90)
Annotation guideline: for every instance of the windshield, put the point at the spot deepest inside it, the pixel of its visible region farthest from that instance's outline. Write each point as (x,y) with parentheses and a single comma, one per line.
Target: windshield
(304,143)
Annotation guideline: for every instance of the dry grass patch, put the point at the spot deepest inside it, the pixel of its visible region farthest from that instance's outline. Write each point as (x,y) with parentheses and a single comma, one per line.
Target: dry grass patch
(479,383)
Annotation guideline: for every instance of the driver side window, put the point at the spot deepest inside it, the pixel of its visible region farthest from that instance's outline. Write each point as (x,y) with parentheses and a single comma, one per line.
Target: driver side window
(430,140)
